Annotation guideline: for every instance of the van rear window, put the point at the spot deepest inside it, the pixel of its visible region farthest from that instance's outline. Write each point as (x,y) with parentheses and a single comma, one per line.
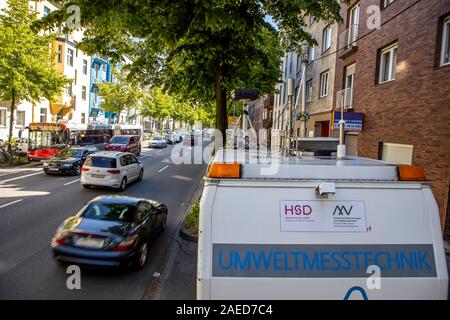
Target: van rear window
(101,162)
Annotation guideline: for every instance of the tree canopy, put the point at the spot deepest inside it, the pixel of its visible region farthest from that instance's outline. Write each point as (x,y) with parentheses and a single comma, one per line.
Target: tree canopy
(200,49)
(27,69)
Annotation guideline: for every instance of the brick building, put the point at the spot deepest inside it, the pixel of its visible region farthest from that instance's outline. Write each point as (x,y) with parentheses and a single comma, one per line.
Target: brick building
(399,77)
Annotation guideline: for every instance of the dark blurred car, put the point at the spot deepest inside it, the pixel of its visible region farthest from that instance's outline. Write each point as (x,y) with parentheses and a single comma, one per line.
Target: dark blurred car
(110,231)
(68,161)
(125,144)
(170,139)
(97,141)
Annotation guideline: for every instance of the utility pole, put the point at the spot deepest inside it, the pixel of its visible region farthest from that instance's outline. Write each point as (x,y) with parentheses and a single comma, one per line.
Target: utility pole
(290,93)
(305,59)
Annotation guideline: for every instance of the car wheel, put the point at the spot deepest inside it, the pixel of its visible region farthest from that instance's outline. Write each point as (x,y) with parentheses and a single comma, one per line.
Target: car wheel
(142,255)
(77,170)
(123,184)
(141,175)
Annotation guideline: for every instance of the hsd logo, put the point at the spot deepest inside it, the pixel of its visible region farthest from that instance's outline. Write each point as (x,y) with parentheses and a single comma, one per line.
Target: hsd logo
(340,210)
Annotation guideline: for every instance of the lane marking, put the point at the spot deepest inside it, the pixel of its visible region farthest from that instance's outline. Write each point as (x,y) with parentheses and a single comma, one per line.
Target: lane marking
(66,184)
(163,169)
(144,157)
(21,177)
(11,203)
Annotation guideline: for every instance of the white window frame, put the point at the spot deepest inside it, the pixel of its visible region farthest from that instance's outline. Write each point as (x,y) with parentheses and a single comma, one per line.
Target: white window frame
(41,114)
(70,57)
(309,90)
(60,53)
(392,63)
(20,120)
(85,66)
(311,54)
(3,119)
(83,93)
(326,38)
(445,43)
(324,83)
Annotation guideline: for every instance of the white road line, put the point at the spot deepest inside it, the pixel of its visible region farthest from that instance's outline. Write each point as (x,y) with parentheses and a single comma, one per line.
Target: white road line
(144,157)
(66,184)
(163,169)
(8,204)
(21,177)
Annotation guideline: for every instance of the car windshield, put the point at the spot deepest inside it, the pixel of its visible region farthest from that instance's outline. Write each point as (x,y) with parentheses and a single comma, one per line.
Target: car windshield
(119,139)
(101,162)
(157,138)
(72,153)
(109,211)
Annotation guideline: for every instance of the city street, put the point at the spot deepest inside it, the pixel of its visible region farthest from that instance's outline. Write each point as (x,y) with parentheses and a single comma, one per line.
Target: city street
(32,205)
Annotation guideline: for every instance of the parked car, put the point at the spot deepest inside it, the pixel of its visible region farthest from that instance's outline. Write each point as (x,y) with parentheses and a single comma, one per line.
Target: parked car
(111,169)
(170,139)
(110,231)
(125,144)
(97,141)
(157,142)
(68,161)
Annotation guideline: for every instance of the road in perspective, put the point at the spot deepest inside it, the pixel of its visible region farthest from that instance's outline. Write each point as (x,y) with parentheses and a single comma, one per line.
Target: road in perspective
(32,205)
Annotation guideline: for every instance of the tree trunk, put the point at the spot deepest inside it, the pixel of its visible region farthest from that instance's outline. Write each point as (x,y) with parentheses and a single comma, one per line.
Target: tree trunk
(221,102)
(11,118)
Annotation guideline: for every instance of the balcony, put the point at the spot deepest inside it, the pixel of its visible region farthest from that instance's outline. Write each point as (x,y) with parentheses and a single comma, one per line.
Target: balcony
(345,98)
(269,102)
(348,41)
(267,123)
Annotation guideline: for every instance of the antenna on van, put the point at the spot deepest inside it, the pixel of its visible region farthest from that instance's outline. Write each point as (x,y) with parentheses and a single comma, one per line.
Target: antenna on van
(341,148)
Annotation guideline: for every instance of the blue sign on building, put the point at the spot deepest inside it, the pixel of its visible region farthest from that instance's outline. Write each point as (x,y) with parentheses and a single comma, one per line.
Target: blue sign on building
(353,121)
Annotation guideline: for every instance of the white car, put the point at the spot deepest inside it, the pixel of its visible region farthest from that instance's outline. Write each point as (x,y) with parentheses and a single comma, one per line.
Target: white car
(111,169)
(157,142)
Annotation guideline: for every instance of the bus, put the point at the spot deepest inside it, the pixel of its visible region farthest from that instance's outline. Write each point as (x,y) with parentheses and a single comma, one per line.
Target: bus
(48,138)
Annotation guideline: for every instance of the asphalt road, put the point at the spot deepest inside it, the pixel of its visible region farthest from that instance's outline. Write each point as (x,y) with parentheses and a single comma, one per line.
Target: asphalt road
(32,205)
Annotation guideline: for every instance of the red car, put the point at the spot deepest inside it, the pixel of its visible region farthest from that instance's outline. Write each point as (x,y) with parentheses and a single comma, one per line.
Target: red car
(125,143)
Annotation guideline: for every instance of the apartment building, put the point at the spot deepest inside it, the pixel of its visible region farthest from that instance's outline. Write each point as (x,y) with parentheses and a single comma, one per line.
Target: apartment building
(72,105)
(261,115)
(397,75)
(290,68)
(320,75)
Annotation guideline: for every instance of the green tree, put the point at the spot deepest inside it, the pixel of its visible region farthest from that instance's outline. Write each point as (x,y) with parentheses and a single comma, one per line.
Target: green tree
(27,71)
(201,49)
(120,95)
(157,104)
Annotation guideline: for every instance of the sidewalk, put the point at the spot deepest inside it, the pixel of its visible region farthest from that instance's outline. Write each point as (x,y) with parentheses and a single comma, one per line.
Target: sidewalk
(179,283)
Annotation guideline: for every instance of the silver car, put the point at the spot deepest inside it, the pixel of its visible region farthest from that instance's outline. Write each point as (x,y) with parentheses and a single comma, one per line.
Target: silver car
(157,142)
(111,169)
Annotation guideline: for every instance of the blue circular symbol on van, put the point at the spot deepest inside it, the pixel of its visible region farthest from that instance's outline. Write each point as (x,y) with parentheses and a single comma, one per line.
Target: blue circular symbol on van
(353,289)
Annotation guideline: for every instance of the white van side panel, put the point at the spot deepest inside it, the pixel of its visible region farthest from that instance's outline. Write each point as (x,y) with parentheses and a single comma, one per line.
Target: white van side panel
(397,215)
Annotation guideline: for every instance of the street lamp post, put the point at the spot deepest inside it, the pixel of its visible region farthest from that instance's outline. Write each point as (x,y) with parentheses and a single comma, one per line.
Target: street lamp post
(305,59)
(290,93)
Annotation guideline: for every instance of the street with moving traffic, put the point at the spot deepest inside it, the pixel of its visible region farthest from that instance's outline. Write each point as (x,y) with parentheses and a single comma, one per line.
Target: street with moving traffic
(33,205)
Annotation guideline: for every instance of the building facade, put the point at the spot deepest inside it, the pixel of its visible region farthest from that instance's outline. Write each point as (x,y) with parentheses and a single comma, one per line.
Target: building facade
(290,68)
(320,75)
(261,116)
(400,81)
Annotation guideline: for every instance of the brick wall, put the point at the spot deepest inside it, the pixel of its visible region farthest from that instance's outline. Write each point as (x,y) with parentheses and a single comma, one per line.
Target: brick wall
(415,108)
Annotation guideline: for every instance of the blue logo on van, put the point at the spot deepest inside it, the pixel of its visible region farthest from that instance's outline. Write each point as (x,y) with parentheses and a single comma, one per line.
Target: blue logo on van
(353,289)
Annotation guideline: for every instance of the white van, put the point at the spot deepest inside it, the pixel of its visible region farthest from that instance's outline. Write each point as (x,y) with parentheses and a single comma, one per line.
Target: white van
(318,228)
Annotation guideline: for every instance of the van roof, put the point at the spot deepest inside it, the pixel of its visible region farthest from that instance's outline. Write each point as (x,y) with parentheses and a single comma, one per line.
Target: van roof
(306,167)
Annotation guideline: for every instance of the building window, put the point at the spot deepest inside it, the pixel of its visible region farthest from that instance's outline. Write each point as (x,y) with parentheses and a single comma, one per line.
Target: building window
(46,11)
(43,115)
(97,68)
(104,67)
(83,118)
(311,54)
(387,64)
(76,76)
(3,117)
(326,39)
(309,90)
(70,57)
(83,93)
(20,118)
(445,43)
(324,84)
(69,90)
(60,53)
(387,2)
(85,66)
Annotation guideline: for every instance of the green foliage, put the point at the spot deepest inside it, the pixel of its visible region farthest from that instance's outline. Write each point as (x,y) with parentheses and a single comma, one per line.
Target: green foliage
(201,50)
(26,64)
(120,95)
(192,220)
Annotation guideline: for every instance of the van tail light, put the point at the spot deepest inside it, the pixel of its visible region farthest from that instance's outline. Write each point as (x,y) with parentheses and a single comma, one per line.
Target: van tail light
(84,169)
(113,171)
(126,244)
(225,170)
(411,173)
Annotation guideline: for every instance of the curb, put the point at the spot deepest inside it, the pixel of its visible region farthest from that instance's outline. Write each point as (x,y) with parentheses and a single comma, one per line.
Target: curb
(185,234)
